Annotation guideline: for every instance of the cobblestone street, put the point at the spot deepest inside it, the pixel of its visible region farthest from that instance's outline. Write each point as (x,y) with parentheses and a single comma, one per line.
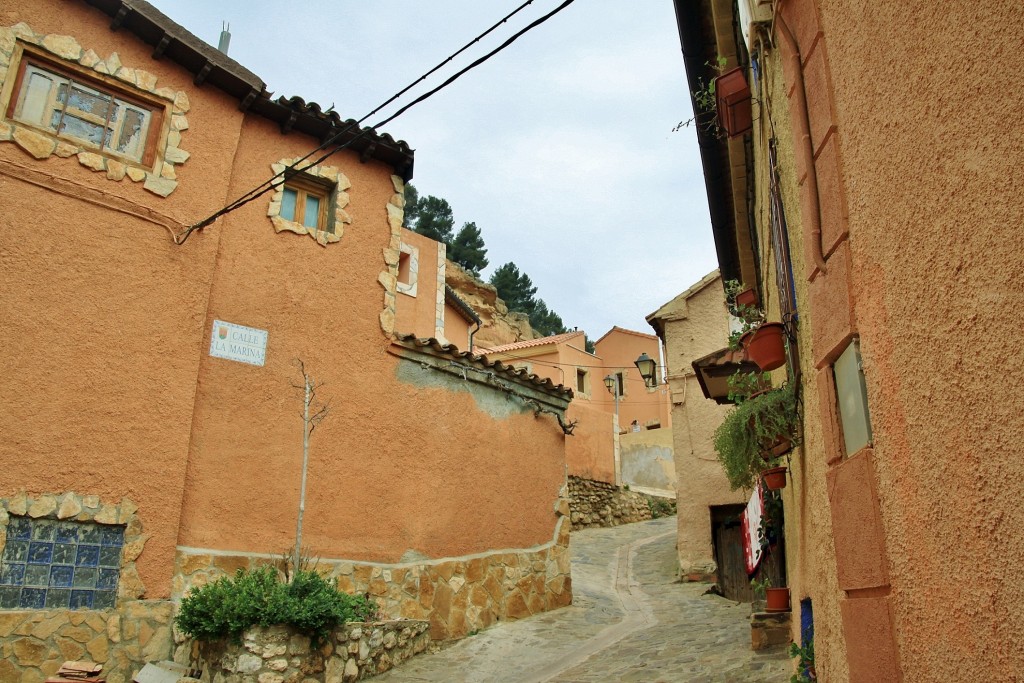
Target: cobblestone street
(629,622)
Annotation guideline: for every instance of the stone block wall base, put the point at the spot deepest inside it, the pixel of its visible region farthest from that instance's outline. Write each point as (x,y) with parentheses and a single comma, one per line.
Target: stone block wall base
(33,644)
(769,629)
(455,595)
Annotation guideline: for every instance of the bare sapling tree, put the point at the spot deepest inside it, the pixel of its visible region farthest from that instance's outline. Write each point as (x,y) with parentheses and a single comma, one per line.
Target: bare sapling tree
(313,413)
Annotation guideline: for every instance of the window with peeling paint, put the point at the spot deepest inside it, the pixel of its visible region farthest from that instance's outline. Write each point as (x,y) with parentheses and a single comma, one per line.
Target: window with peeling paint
(91,113)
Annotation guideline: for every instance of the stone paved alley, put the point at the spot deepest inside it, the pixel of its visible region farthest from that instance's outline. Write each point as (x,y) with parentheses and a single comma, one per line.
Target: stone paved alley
(629,622)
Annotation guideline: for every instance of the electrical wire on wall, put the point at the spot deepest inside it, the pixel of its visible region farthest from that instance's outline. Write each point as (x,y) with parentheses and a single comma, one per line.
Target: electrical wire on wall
(278,179)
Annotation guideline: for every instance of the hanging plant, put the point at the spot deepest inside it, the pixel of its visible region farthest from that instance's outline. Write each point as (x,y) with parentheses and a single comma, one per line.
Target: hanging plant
(753,427)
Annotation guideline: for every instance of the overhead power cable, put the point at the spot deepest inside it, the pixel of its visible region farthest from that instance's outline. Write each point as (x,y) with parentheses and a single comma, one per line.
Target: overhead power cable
(278,179)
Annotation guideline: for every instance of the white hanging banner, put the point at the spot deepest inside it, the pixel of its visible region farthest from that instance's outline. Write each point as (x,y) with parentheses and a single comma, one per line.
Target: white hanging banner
(238,343)
(751,522)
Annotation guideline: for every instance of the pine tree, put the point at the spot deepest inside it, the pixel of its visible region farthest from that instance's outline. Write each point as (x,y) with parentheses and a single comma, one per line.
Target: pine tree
(546,321)
(467,249)
(515,288)
(434,219)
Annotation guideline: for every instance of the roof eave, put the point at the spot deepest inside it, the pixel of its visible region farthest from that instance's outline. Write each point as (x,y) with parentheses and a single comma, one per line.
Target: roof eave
(211,66)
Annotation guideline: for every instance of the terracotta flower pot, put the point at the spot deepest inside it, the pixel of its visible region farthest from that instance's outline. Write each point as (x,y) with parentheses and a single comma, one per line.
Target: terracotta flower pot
(766,346)
(777,600)
(733,100)
(748,297)
(775,478)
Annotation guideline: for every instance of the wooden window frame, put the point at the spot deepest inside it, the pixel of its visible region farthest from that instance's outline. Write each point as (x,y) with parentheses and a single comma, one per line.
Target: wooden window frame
(305,185)
(25,55)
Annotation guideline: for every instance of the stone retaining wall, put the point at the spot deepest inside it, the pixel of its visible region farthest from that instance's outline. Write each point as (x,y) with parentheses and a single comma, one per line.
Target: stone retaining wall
(277,654)
(33,644)
(456,595)
(600,504)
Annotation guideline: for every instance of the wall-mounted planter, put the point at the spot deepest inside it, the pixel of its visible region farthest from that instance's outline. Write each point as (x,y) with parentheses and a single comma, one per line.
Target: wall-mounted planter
(777,600)
(777,449)
(775,478)
(735,110)
(748,297)
(766,346)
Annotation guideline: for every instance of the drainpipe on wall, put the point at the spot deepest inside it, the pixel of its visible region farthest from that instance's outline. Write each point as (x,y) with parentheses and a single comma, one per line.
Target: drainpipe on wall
(806,146)
(472,332)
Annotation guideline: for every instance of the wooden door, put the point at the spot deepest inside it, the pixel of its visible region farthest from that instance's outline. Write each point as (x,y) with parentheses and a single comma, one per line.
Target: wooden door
(727,533)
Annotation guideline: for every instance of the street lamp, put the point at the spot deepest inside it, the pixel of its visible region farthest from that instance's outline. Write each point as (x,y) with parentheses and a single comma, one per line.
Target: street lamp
(648,369)
(611,382)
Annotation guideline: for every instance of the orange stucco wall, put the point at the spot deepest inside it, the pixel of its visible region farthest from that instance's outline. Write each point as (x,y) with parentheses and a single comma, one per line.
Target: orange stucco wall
(456,327)
(618,349)
(109,389)
(917,169)
(102,314)
(948,196)
(385,440)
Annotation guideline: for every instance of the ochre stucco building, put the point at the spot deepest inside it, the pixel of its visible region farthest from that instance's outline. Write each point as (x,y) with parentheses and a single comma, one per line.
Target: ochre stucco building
(137,460)
(692,325)
(875,204)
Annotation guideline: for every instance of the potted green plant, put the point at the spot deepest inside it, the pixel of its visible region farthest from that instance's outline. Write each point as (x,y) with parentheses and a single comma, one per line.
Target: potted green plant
(805,672)
(753,427)
(769,536)
(741,301)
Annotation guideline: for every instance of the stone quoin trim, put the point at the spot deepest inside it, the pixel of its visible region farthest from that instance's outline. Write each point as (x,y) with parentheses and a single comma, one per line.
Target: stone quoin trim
(388,277)
(160,177)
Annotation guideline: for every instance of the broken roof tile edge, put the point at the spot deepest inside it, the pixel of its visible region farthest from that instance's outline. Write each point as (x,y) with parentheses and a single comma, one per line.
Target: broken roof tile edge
(531,343)
(209,65)
(519,375)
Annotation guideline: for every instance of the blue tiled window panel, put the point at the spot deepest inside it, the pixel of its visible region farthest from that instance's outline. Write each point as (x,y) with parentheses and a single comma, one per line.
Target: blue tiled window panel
(49,563)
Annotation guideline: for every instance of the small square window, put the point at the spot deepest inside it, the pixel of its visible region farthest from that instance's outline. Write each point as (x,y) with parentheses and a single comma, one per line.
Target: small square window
(305,200)
(582,383)
(62,101)
(48,563)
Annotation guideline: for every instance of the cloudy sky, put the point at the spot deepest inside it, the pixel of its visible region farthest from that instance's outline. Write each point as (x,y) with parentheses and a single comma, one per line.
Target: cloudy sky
(560,148)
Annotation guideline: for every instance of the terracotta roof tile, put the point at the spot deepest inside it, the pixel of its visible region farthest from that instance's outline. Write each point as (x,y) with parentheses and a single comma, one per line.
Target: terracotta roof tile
(645,335)
(520,375)
(214,68)
(533,343)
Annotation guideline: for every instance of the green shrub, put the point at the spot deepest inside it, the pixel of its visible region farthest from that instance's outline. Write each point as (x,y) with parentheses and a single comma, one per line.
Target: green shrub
(310,603)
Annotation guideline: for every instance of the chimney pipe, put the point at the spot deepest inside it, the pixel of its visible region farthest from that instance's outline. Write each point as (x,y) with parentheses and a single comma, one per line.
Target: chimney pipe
(225,37)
